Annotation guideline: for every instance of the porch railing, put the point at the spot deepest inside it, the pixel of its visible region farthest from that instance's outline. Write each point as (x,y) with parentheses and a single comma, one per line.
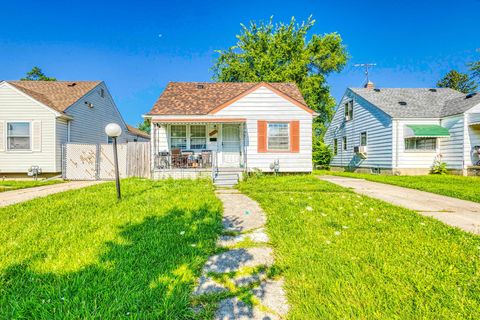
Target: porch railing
(184,160)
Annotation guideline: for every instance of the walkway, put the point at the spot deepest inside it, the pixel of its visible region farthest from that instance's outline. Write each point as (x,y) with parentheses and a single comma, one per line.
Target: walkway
(238,280)
(455,212)
(15,196)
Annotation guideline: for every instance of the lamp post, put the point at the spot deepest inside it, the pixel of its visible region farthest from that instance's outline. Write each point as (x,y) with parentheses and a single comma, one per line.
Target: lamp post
(113,130)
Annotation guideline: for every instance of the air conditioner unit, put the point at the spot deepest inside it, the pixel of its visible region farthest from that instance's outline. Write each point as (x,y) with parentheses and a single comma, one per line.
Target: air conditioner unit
(361,151)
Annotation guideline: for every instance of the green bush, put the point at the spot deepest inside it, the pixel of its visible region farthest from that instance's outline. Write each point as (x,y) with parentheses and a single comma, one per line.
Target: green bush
(322,154)
(439,167)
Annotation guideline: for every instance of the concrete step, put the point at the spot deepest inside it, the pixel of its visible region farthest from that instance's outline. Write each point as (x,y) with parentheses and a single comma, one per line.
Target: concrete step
(227,177)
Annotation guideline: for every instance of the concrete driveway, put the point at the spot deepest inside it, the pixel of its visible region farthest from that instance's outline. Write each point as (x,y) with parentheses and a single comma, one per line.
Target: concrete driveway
(15,196)
(455,212)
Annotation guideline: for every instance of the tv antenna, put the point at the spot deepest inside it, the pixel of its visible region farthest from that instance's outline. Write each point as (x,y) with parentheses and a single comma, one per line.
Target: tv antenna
(366,66)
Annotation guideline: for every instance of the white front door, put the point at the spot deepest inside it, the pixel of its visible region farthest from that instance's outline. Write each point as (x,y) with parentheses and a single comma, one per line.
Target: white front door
(231,145)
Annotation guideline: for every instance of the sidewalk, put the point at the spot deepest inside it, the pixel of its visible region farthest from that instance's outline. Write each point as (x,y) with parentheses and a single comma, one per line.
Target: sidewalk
(455,212)
(16,196)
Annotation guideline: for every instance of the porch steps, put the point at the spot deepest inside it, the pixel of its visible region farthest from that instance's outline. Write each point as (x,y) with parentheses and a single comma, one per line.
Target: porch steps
(226,178)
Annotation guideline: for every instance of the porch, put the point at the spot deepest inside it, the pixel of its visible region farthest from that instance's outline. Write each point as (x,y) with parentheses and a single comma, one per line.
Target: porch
(191,148)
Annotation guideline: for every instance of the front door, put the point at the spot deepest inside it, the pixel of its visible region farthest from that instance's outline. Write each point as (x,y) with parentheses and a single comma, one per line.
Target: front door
(231,145)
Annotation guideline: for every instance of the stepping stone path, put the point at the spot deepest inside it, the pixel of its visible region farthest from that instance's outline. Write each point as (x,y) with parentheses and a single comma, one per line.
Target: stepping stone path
(243,218)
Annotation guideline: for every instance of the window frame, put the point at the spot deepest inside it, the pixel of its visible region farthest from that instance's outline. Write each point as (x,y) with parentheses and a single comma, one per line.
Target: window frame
(7,136)
(335,146)
(348,110)
(190,137)
(287,123)
(344,143)
(366,139)
(186,137)
(415,149)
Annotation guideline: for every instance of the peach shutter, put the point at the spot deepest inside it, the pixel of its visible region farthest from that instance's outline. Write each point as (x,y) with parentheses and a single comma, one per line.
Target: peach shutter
(262,135)
(295,136)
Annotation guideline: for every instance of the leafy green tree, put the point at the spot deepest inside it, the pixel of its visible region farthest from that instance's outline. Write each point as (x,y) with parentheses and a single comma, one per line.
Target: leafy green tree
(36,74)
(282,53)
(145,126)
(457,81)
(475,68)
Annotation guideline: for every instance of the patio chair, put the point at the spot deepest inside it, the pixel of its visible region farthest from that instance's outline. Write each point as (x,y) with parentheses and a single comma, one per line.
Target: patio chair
(178,159)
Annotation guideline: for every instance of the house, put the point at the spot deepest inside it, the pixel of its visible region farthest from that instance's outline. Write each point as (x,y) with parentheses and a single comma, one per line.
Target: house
(38,117)
(405,130)
(230,127)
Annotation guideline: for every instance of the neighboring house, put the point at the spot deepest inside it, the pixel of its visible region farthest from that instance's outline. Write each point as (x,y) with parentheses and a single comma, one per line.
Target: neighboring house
(404,130)
(38,117)
(242,126)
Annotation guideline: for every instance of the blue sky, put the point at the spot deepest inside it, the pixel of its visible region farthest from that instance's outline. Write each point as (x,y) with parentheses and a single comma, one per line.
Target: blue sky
(137,47)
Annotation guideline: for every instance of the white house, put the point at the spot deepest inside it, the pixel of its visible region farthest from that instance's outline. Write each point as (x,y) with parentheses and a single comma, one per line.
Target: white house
(403,131)
(230,127)
(38,117)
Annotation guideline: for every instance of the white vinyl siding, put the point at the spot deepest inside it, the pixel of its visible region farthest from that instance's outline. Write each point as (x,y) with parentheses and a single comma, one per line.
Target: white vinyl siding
(417,159)
(88,124)
(452,148)
(62,139)
(263,104)
(366,118)
(15,106)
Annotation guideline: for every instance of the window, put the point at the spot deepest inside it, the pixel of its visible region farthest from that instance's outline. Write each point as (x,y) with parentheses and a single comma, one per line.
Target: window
(335,147)
(421,144)
(363,138)
(102,93)
(344,143)
(198,137)
(349,110)
(18,135)
(109,140)
(178,137)
(278,136)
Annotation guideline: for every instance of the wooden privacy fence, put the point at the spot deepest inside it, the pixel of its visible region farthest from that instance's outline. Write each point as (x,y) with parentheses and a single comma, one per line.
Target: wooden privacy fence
(96,161)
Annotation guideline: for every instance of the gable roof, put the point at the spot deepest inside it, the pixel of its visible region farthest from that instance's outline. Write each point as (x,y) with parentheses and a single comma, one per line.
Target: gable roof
(201,98)
(137,131)
(461,104)
(420,102)
(58,95)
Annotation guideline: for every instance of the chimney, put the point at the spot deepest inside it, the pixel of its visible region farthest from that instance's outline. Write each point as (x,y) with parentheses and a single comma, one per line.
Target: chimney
(369,85)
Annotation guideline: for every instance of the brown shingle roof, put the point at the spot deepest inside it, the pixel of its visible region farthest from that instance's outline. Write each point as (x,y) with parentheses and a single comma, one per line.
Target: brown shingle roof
(58,95)
(137,131)
(199,98)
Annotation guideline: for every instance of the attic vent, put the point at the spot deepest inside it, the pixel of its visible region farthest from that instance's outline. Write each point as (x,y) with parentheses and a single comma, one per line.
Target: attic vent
(470,95)
(402,103)
(200,86)
(72,84)
(376,90)
(89,104)
(432,90)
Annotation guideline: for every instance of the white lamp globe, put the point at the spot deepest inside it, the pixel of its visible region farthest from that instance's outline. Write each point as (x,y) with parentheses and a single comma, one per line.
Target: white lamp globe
(113,130)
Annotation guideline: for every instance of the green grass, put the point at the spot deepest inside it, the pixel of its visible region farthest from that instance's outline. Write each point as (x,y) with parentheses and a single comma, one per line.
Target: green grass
(80,254)
(8,185)
(346,256)
(466,188)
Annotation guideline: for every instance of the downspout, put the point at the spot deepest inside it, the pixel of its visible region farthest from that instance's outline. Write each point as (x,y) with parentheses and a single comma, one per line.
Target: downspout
(396,145)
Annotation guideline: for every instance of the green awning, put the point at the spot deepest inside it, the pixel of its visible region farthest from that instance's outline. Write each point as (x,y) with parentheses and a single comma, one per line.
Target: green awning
(425,131)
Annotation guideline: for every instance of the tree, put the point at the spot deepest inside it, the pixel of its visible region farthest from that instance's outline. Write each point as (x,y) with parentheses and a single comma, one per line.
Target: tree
(475,68)
(281,53)
(145,126)
(36,74)
(457,81)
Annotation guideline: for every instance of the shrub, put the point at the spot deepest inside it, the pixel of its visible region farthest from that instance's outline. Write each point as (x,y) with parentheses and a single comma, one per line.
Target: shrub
(439,167)
(322,154)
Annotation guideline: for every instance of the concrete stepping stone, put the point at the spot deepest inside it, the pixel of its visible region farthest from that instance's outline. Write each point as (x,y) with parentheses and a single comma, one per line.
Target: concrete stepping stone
(234,308)
(207,285)
(271,295)
(235,259)
(258,236)
(244,281)
(241,213)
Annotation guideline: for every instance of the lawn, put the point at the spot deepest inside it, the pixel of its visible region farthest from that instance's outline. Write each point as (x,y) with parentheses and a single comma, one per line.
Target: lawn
(461,187)
(346,256)
(81,254)
(8,185)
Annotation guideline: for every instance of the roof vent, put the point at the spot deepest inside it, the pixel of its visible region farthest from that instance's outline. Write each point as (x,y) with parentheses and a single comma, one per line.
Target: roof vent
(376,90)
(402,103)
(433,90)
(72,84)
(470,95)
(200,86)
